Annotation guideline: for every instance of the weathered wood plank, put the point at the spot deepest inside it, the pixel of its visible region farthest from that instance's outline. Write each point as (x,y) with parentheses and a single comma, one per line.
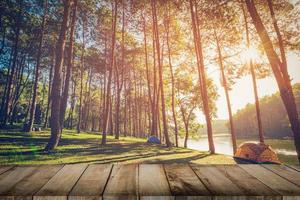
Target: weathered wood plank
(272,180)
(249,184)
(285,172)
(216,181)
(150,181)
(194,198)
(153,182)
(31,184)
(92,183)
(295,167)
(5,168)
(12,177)
(120,197)
(52,197)
(85,197)
(122,182)
(61,184)
(183,181)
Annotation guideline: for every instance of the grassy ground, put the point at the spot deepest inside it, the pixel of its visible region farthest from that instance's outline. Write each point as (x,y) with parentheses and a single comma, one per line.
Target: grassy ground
(282,145)
(23,148)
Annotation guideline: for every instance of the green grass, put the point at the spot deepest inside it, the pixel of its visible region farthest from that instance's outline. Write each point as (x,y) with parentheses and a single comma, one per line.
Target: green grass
(27,148)
(282,144)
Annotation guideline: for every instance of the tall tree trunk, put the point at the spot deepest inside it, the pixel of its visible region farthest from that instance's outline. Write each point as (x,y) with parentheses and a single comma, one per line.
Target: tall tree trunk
(167,27)
(120,85)
(201,72)
(57,81)
(257,106)
(70,65)
(160,72)
(125,108)
(103,103)
(225,86)
(88,101)
(147,73)
(111,115)
(253,76)
(280,72)
(154,105)
(28,126)
(81,80)
(112,64)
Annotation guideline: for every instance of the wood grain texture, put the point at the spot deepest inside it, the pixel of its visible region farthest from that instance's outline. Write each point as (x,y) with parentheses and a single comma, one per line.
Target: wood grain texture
(272,180)
(9,179)
(216,181)
(247,183)
(31,184)
(285,172)
(61,184)
(153,182)
(85,197)
(122,182)
(295,167)
(92,182)
(183,181)
(149,181)
(5,168)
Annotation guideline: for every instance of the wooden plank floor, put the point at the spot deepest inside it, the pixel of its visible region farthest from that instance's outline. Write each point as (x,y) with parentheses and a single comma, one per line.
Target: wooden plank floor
(149,181)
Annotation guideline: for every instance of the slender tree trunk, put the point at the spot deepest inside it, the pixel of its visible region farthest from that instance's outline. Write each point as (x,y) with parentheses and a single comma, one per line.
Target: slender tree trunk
(57,81)
(202,76)
(49,90)
(253,76)
(73,101)
(280,42)
(111,115)
(257,106)
(147,73)
(103,103)
(81,80)
(154,109)
(160,72)
(112,64)
(225,86)
(70,65)
(88,101)
(167,26)
(125,108)
(120,86)
(186,121)
(28,126)
(280,72)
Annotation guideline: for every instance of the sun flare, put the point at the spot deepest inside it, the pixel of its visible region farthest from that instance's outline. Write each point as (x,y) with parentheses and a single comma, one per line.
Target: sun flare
(251,54)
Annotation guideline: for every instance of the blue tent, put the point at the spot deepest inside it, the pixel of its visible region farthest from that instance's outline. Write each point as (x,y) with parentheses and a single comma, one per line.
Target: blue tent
(153,140)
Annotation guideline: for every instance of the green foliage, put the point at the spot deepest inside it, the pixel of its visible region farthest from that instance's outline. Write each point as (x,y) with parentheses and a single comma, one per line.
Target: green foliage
(274,118)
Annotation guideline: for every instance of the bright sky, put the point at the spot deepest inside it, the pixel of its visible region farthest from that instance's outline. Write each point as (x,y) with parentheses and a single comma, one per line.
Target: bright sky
(241,95)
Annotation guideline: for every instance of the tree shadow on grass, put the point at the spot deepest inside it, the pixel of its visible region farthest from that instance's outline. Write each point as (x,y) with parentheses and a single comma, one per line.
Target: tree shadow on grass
(140,158)
(24,147)
(177,160)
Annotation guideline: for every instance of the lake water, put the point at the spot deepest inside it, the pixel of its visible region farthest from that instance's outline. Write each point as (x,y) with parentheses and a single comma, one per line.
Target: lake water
(223,145)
